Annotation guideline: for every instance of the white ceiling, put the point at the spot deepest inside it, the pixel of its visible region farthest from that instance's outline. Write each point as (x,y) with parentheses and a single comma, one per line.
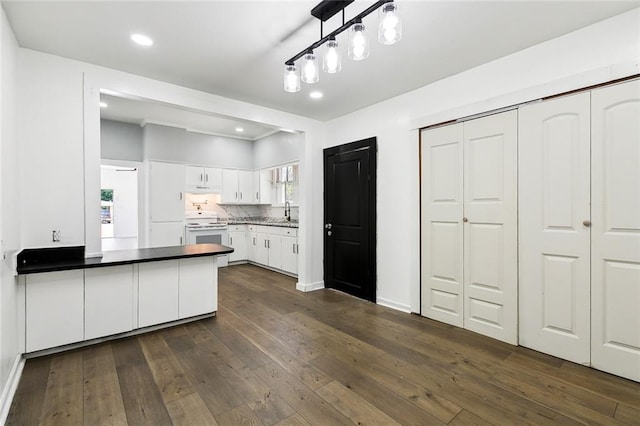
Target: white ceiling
(237,48)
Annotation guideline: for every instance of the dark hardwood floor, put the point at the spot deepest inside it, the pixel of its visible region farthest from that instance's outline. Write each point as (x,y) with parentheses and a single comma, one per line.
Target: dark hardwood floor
(274,355)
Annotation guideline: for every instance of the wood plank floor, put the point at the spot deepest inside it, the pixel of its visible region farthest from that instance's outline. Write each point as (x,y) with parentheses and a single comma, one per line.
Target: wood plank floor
(275,356)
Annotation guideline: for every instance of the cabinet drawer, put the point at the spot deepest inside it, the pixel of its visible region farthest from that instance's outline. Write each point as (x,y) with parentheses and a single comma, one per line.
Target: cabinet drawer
(238,228)
(284,231)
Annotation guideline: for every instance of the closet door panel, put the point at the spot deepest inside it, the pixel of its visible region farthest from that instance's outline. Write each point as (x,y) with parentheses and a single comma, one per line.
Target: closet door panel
(554,243)
(441,224)
(490,231)
(615,230)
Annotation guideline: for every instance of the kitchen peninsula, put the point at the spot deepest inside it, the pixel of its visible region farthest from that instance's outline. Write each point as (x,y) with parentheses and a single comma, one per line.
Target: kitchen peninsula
(73,301)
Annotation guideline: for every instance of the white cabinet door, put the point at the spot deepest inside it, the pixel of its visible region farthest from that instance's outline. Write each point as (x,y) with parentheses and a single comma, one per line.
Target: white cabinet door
(238,240)
(157,292)
(166,186)
(274,244)
(615,232)
(252,244)
(54,309)
(229,186)
(442,232)
(256,187)
(554,244)
(266,186)
(198,288)
(194,176)
(490,229)
(108,301)
(290,254)
(262,251)
(246,194)
(165,234)
(213,178)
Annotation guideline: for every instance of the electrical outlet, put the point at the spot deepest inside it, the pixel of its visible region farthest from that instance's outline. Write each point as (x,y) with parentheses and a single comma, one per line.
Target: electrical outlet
(55,236)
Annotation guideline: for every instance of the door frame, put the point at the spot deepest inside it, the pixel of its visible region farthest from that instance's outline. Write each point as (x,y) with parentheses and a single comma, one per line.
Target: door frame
(371,145)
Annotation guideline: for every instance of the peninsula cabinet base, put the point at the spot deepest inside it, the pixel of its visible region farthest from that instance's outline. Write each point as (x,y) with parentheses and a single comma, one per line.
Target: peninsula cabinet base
(84,306)
(135,332)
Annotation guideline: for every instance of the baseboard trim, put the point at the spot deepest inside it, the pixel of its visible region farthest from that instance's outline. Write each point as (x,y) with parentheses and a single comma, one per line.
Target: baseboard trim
(393,305)
(310,287)
(10,387)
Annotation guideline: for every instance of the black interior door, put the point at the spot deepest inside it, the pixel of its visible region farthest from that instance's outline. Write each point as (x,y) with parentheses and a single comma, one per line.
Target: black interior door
(350,218)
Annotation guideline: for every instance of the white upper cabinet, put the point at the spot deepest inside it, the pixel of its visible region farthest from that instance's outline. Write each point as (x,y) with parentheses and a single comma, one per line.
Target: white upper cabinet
(200,179)
(237,187)
(166,191)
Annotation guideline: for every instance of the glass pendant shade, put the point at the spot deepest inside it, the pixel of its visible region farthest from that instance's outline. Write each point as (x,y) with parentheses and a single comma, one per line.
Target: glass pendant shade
(331,61)
(310,70)
(358,42)
(390,27)
(291,78)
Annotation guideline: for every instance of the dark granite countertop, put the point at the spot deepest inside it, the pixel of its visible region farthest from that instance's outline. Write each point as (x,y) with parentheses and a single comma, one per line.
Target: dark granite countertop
(31,261)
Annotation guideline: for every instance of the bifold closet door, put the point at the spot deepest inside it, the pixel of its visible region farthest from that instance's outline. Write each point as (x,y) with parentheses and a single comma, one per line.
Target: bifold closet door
(469,225)
(615,233)
(554,233)
(441,224)
(490,226)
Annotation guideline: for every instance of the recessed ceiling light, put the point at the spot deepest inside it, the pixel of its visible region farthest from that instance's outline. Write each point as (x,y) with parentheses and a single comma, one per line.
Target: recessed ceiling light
(141,39)
(239,129)
(103,104)
(315,95)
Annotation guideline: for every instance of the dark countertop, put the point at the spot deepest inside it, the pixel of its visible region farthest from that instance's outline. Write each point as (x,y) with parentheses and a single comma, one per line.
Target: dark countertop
(32,261)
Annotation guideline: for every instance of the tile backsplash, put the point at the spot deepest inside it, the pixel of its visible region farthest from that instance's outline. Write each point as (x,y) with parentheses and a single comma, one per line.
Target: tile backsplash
(209,202)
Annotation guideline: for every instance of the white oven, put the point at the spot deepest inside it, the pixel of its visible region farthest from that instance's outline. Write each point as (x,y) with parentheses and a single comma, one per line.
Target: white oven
(206,230)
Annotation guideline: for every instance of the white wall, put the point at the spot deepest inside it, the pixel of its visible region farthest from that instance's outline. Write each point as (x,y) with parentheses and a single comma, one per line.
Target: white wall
(602,52)
(173,144)
(120,141)
(277,149)
(9,218)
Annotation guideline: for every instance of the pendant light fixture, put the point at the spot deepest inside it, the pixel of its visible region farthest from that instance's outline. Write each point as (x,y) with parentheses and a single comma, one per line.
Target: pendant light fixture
(291,78)
(331,62)
(310,69)
(390,26)
(389,32)
(358,42)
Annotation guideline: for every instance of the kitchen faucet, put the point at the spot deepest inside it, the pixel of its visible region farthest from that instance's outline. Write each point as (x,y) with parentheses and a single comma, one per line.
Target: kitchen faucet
(287,211)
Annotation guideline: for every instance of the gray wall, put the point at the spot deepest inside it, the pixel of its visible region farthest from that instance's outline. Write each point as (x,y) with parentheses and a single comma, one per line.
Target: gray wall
(120,141)
(177,145)
(277,149)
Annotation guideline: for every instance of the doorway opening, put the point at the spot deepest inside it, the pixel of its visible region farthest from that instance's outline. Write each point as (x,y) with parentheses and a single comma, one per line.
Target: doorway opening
(119,207)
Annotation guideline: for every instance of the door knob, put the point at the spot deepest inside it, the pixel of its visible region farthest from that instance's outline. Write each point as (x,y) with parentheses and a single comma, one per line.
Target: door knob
(586,223)
(465,220)
(327,226)
(329,233)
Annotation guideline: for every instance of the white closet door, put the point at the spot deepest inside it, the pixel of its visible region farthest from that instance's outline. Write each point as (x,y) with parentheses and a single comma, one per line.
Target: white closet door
(554,246)
(615,266)
(442,235)
(490,226)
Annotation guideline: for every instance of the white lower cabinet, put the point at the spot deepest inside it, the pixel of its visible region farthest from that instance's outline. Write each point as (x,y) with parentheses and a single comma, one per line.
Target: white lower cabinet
(274,246)
(198,286)
(157,292)
(290,254)
(108,301)
(252,243)
(238,240)
(54,309)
